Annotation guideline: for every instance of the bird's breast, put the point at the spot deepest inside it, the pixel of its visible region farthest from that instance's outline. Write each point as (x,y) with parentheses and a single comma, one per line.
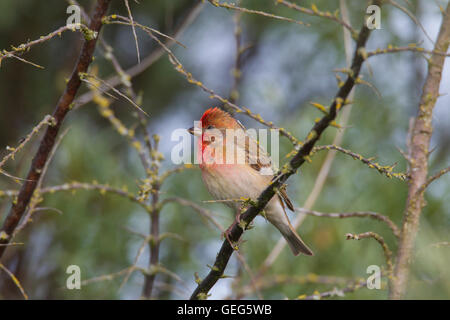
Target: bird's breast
(232,182)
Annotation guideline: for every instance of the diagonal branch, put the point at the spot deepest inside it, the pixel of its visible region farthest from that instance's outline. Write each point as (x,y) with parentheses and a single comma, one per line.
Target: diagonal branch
(291,168)
(15,280)
(331,154)
(62,108)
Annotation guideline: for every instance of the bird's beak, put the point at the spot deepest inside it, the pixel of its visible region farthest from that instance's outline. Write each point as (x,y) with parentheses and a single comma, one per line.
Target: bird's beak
(194,131)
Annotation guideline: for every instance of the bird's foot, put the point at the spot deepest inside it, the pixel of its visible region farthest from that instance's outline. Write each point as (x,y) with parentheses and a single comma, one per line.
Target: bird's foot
(227,233)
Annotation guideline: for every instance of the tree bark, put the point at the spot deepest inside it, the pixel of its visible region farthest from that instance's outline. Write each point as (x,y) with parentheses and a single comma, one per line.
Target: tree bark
(419,151)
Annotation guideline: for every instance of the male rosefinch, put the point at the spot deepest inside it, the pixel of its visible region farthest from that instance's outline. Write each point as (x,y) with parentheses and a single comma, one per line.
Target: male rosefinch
(242,173)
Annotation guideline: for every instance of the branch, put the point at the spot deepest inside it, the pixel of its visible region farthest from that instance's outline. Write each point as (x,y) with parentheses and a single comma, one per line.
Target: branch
(36,198)
(387,252)
(315,12)
(410,48)
(335,292)
(275,280)
(386,170)
(291,168)
(420,143)
(102,188)
(237,69)
(15,280)
(25,47)
(433,178)
(62,108)
(411,16)
(155,244)
(48,120)
(257,12)
(134,31)
(361,214)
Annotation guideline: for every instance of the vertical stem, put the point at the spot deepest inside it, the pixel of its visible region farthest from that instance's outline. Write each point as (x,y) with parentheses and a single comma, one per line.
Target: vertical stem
(153,245)
(420,142)
(154,214)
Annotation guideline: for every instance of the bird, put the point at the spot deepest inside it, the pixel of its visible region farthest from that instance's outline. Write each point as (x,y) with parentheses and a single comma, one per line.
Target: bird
(243,173)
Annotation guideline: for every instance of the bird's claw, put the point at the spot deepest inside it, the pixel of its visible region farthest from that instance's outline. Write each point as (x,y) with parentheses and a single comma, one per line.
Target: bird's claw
(226,234)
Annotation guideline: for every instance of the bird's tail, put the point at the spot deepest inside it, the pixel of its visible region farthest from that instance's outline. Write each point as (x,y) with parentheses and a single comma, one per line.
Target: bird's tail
(293,239)
(277,216)
(295,242)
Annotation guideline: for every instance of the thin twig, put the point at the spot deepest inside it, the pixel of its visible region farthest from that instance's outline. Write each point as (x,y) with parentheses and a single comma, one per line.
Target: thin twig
(315,12)
(335,292)
(433,178)
(134,31)
(411,48)
(387,252)
(36,199)
(15,280)
(360,214)
(257,12)
(25,47)
(386,170)
(48,120)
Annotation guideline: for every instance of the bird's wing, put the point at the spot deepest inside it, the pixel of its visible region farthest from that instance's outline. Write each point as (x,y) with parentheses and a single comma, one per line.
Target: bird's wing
(282,193)
(257,157)
(260,161)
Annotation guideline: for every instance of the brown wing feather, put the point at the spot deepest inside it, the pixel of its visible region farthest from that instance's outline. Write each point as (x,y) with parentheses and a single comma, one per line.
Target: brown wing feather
(263,161)
(259,160)
(283,194)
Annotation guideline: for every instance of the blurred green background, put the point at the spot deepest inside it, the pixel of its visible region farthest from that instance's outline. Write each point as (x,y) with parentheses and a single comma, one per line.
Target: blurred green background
(287,66)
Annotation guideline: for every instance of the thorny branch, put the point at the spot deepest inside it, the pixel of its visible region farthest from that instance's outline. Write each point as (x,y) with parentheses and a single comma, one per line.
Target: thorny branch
(360,214)
(386,170)
(48,120)
(88,33)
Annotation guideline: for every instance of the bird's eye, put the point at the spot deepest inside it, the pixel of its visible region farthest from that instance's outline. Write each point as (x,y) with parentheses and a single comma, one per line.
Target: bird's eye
(210,127)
